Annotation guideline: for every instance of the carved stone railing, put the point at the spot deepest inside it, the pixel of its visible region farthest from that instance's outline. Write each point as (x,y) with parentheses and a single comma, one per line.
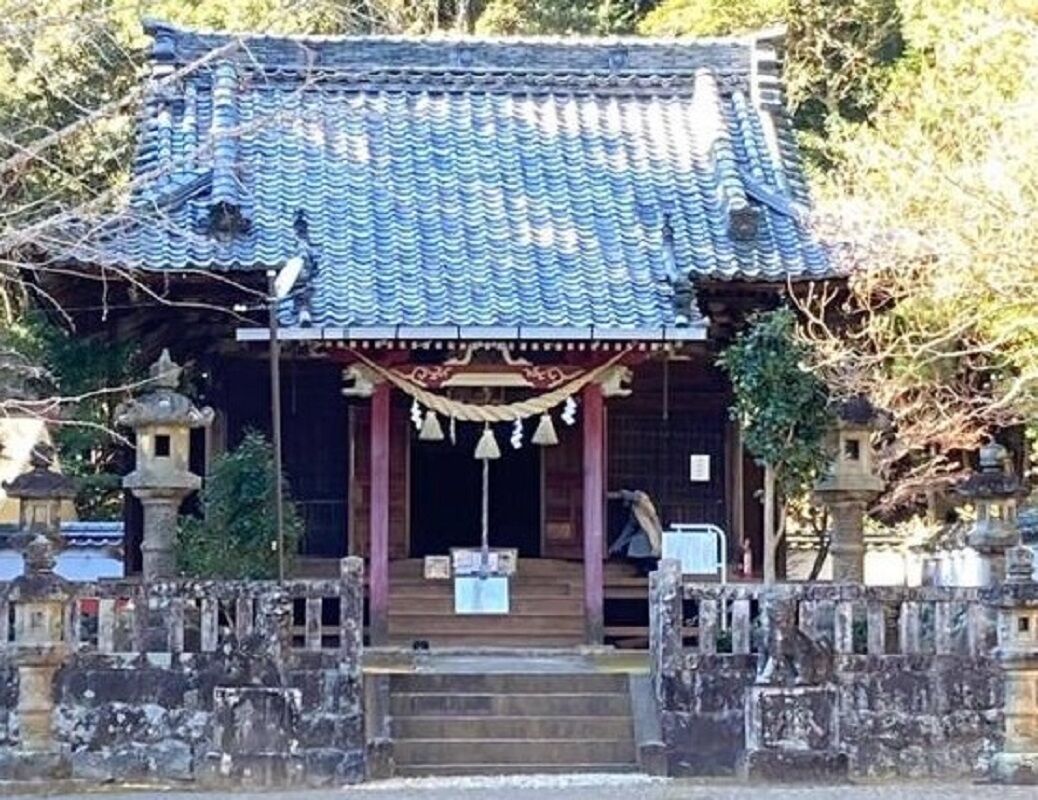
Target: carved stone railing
(833,679)
(849,619)
(188,616)
(203,616)
(286,658)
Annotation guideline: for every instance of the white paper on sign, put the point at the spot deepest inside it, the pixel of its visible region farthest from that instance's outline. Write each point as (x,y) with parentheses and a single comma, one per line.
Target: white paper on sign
(699,468)
(476,595)
(696,550)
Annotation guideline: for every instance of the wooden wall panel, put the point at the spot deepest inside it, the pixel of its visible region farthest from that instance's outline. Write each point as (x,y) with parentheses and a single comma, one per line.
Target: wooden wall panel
(562,494)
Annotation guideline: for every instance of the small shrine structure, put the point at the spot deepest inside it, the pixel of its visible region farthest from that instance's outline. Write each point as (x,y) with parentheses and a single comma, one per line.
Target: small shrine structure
(534,248)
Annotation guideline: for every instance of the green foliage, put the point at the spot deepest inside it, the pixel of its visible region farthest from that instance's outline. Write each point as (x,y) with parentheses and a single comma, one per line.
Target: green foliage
(236,535)
(711,17)
(91,375)
(558,17)
(782,407)
(941,191)
(836,54)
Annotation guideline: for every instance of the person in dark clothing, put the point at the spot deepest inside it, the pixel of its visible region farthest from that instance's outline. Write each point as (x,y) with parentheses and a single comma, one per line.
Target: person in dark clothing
(642,536)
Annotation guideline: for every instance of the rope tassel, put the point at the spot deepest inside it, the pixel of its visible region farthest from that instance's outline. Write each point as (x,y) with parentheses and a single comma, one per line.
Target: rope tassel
(431,430)
(486,447)
(545,434)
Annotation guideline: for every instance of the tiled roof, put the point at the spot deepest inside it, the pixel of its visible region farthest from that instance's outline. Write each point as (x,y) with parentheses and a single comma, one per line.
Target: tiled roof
(464,182)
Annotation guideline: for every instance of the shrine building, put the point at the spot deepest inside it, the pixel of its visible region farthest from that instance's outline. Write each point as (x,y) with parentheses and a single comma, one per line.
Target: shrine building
(527,250)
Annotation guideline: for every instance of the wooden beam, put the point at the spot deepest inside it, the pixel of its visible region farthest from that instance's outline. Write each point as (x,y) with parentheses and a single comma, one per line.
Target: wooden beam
(378,597)
(594,510)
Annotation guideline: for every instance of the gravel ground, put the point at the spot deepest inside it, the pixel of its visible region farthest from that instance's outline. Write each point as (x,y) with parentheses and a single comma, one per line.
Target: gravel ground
(591,787)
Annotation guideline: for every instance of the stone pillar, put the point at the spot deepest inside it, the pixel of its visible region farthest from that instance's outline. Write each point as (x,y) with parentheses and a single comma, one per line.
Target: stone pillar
(847,544)
(665,612)
(1018,654)
(162,419)
(160,526)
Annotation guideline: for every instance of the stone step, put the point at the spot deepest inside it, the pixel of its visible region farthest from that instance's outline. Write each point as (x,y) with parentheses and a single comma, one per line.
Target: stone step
(606,704)
(524,728)
(432,770)
(511,683)
(433,624)
(520,605)
(511,751)
(483,638)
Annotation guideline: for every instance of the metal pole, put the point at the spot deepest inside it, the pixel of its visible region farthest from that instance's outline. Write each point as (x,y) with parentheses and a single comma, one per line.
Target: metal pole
(484,554)
(275,412)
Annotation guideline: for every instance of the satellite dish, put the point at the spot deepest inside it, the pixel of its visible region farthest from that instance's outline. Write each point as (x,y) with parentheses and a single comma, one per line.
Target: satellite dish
(287,277)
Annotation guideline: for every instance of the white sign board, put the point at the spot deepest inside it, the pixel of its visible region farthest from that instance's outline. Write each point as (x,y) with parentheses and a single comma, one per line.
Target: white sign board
(698,468)
(697,550)
(475,595)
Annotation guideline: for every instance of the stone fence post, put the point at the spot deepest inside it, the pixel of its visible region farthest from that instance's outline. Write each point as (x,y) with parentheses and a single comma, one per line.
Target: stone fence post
(1017,605)
(665,613)
(351,613)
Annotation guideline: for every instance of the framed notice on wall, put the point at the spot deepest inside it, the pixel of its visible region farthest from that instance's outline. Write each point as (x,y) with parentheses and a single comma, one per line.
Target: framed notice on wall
(699,468)
(476,595)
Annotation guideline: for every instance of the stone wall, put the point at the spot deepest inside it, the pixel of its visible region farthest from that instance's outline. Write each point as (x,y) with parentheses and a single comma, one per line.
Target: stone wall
(212,719)
(840,680)
(214,683)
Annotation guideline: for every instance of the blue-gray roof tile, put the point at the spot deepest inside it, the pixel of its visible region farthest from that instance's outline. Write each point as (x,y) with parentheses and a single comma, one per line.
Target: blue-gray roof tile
(466,182)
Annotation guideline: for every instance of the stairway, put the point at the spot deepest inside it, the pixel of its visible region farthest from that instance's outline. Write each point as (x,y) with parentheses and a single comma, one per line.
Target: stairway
(511,723)
(547,608)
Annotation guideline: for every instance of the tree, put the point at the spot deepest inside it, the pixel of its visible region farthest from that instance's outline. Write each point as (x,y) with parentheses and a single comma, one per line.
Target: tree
(72,385)
(783,410)
(935,204)
(560,16)
(837,55)
(236,536)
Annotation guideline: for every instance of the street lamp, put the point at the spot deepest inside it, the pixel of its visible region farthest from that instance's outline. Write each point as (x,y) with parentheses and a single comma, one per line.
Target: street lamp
(279,286)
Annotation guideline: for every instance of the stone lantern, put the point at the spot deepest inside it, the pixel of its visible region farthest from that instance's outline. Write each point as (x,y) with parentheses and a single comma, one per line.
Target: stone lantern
(40,494)
(162,419)
(1018,655)
(40,598)
(850,484)
(994,491)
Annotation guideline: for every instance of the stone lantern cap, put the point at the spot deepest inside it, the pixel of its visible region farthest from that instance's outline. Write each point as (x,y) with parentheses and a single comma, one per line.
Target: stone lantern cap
(163,405)
(993,480)
(859,412)
(41,482)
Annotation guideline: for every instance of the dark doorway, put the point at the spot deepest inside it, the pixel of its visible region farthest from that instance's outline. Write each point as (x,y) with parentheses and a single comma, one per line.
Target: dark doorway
(446,495)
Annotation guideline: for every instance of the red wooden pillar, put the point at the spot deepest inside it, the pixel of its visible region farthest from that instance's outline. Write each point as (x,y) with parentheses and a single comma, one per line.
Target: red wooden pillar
(378,583)
(594,511)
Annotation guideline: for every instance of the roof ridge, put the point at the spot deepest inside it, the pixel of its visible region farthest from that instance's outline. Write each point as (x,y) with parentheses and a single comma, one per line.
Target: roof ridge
(613,55)
(153,25)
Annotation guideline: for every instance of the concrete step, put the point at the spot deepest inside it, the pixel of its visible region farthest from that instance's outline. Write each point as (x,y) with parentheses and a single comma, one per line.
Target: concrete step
(432,770)
(512,751)
(523,728)
(608,704)
(511,683)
